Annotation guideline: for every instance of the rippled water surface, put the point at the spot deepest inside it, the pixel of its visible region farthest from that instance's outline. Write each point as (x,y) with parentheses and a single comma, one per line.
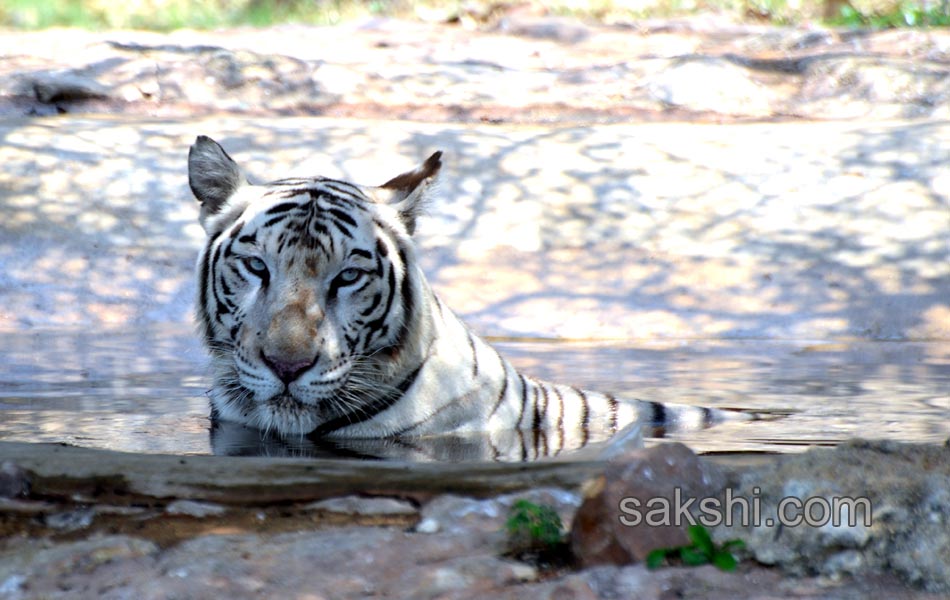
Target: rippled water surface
(143,391)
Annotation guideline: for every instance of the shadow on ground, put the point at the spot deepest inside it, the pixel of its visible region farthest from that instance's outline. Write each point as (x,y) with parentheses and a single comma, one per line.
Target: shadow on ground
(774,230)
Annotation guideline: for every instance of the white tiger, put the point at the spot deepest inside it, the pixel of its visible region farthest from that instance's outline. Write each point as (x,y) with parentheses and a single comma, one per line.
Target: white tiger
(320,323)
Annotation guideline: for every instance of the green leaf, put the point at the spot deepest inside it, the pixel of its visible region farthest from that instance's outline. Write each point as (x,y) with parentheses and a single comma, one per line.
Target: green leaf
(655,558)
(701,551)
(701,540)
(692,557)
(724,561)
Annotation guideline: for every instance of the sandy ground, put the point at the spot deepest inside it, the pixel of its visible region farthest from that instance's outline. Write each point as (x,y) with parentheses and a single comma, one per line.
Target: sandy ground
(776,230)
(566,209)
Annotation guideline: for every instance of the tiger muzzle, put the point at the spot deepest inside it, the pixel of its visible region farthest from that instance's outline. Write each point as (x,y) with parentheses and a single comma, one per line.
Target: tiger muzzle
(290,343)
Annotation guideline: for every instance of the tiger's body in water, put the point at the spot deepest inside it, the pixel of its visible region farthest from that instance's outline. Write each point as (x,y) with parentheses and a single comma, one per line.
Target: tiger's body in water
(320,323)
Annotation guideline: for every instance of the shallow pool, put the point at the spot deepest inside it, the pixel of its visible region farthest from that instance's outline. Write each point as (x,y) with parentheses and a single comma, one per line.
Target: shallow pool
(143,390)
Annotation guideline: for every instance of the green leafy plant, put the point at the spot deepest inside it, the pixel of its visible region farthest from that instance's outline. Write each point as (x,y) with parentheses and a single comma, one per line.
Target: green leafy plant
(907,14)
(701,551)
(533,526)
(165,15)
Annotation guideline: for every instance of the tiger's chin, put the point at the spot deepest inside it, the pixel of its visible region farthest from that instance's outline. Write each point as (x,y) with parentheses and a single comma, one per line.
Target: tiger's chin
(282,413)
(288,417)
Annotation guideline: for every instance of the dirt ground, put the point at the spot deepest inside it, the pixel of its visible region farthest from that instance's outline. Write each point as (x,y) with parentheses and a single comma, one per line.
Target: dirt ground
(518,69)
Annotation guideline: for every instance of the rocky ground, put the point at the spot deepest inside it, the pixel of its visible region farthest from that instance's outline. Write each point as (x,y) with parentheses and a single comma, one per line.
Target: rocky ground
(794,187)
(89,523)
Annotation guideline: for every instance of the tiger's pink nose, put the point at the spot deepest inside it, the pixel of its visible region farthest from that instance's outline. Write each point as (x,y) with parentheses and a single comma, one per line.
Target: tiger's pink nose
(287,371)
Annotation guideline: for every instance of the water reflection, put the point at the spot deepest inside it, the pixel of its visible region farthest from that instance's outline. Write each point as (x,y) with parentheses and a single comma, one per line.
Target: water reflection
(143,391)
(230,439)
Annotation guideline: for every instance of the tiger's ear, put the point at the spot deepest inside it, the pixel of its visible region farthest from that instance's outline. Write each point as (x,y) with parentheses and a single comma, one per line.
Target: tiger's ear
(212,175)
(409,191)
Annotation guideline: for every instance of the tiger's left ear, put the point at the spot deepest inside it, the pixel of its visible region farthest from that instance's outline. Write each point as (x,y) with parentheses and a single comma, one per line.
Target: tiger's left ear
(409,191)
(213,176)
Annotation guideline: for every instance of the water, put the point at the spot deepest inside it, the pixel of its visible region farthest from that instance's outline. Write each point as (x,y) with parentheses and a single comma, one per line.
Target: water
(143,390)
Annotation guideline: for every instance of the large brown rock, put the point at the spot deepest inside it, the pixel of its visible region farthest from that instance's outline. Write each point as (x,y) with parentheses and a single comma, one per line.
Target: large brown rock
(644,500)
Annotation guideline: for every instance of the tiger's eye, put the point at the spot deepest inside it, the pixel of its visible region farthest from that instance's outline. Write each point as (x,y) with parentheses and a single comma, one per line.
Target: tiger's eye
(349,276)
(256,266)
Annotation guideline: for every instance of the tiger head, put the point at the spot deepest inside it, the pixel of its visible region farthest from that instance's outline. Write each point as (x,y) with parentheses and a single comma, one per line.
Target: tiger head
(308,295)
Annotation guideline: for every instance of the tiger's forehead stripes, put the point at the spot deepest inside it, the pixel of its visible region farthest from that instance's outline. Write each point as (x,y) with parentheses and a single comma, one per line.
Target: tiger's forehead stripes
(319,215)
(331,187)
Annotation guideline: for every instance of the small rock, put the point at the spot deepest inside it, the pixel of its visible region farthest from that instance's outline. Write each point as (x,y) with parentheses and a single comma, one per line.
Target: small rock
(622,582)
(645,500)
(113,548)
(366,506)
(49,88)
(711,84)
(199,510)
(123,511)
(460,515)
(26,507)
(72,520)
(564,30)
(427,525)
(12,586)
(14,481)
(573,589)
(480,574)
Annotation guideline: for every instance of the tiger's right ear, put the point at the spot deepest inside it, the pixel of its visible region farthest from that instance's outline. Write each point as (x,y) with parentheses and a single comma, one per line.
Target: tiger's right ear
(212,175)
(408,192)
